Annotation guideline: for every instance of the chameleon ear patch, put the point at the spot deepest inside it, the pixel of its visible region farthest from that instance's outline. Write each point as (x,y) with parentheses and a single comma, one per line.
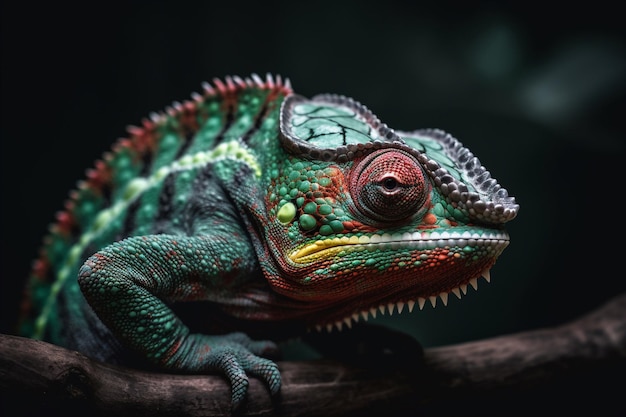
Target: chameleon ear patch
(331,128)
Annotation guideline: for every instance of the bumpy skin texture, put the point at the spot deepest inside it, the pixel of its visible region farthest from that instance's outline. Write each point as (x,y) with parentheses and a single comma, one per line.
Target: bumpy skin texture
(258,204)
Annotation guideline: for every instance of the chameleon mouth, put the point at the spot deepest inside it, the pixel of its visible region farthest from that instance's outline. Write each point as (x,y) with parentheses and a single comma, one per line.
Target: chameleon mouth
(399,306)
(419,240)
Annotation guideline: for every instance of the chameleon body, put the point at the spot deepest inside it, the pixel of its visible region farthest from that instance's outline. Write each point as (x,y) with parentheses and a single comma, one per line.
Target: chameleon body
(252,202)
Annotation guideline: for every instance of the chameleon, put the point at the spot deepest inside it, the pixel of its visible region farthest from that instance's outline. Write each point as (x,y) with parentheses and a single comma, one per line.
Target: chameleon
(248,203)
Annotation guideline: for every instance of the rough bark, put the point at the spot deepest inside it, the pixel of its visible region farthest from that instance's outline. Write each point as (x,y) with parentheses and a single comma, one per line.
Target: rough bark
(578,368)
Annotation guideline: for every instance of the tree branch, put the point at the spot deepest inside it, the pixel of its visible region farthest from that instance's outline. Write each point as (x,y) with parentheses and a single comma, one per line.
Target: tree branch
(574,369)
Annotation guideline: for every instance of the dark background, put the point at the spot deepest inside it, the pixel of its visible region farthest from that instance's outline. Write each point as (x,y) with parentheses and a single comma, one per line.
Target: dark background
(537,94)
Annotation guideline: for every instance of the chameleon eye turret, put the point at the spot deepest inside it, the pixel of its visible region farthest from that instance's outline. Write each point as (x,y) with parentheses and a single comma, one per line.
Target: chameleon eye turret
(388,186)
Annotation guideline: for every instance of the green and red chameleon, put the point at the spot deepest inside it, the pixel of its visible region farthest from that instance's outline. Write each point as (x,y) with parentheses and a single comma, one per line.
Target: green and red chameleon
(252,202)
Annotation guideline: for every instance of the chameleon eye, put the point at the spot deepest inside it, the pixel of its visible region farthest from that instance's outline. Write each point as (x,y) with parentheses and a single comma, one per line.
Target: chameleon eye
(388,185)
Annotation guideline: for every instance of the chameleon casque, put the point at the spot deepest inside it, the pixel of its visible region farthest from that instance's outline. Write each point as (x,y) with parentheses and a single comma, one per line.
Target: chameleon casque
(252,202)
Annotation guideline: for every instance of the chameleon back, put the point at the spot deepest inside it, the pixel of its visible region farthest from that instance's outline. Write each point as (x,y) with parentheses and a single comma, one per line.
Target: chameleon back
(140,188)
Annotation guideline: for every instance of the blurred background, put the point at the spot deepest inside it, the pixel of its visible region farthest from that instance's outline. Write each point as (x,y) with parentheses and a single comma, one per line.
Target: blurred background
(539,95)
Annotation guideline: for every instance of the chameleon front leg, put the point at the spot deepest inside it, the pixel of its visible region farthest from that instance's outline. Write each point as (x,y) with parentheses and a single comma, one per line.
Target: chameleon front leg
(128,282)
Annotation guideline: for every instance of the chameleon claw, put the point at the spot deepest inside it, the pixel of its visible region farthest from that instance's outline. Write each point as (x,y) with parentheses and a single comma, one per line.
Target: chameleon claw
(269,373)
(238,383)
(236,356)
(238,378)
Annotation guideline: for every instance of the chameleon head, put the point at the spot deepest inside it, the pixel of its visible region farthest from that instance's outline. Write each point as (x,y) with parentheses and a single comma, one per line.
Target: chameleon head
(362,216)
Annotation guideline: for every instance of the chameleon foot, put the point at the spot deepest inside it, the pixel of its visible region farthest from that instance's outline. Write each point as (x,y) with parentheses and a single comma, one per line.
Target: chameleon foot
(237,356)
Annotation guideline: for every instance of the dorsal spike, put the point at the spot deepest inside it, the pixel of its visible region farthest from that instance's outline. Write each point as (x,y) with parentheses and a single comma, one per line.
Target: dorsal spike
(258,80)
(208,88)
(230,83)
(196,96)
(239,81)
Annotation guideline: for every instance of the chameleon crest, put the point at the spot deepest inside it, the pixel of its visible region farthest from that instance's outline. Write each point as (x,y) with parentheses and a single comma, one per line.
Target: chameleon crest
(259,204)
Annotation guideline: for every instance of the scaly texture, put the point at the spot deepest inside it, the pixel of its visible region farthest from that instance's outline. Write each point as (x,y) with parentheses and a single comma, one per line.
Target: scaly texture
(252,202)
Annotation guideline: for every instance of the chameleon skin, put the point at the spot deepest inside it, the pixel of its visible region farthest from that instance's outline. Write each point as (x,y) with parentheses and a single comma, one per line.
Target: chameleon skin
(268,207)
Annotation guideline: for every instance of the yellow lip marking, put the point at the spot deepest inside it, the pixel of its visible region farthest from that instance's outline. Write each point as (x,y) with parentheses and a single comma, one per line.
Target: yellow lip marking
(322,245)
(418,240)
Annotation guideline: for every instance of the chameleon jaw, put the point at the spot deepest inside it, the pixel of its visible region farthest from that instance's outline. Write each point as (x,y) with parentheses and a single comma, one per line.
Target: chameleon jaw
(418,240)
(399,306)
